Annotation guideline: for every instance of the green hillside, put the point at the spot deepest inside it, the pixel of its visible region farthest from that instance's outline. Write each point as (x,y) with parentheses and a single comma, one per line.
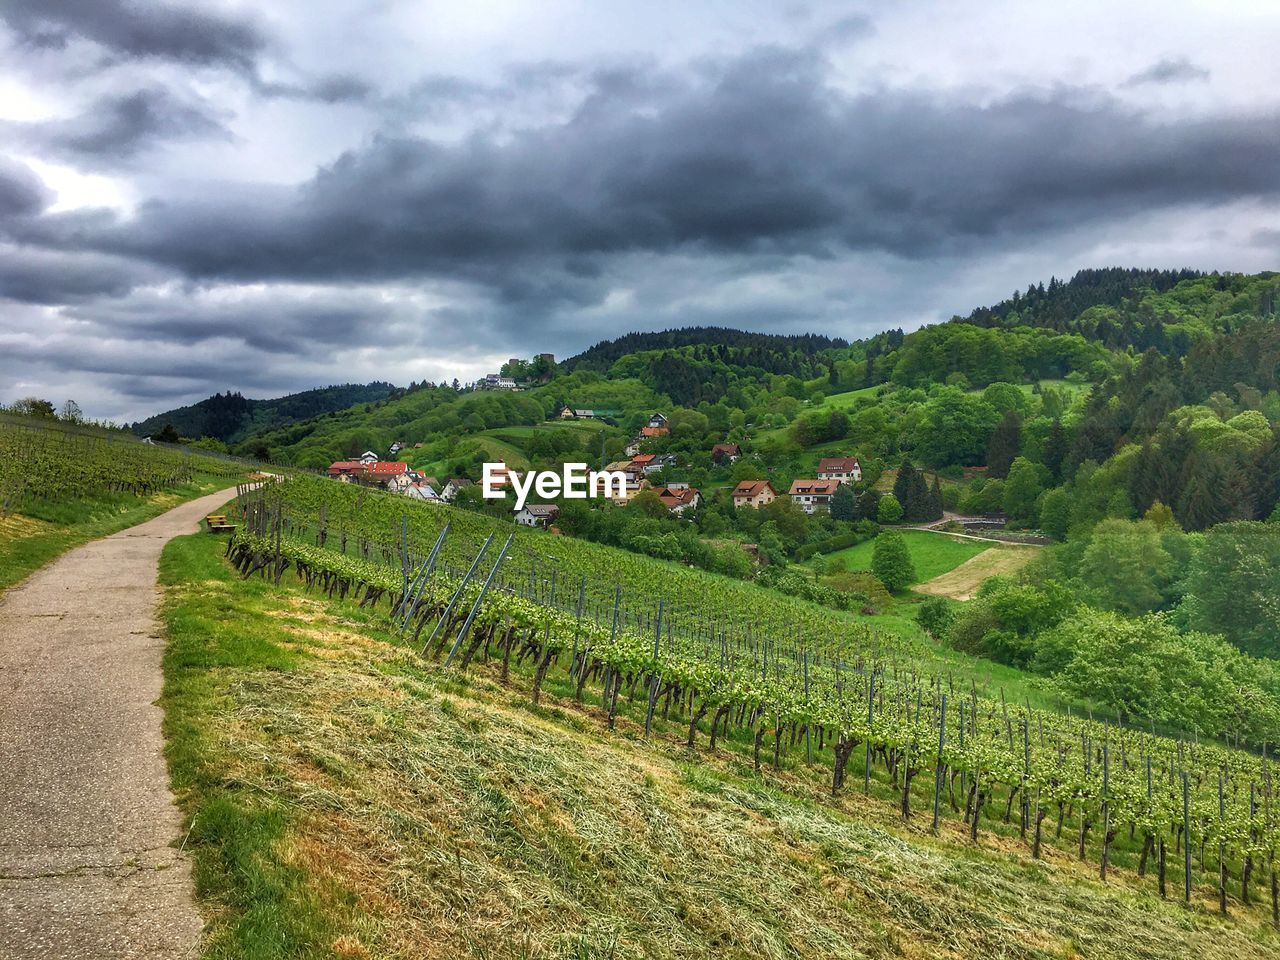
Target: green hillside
(230,417)
(346,795)
(932,554)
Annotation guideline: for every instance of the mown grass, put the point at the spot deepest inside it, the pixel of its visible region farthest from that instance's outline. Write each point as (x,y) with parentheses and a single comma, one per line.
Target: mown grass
(38,533)
(347,799)
(932,554)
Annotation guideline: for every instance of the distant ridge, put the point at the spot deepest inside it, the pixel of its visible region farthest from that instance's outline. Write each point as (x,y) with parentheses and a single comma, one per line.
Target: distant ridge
(230,417)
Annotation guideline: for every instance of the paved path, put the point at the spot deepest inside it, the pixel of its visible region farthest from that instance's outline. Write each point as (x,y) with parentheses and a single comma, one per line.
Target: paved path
(87,868)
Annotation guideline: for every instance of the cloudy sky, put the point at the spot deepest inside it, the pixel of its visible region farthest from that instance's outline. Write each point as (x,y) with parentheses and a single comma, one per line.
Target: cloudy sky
(271,196)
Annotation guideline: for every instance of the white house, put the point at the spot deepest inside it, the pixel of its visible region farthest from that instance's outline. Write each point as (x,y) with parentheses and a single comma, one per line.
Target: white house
(813,495)
(844,469)
(537,514)
(679,497)
(422,491)
(657,422)
(399,483)
(368,457)
(450,491)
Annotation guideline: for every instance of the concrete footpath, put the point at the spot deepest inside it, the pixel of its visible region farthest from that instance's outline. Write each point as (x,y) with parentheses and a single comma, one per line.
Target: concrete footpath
(88,861)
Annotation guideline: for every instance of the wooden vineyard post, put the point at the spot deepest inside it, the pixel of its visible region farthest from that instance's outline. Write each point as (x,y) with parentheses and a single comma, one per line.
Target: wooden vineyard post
(610,678)
(1026,772)
(577,628)
(871,693)
(653,676)
(1186,839)
(808,739)
(1222,850)
(941,767)
(1107,834)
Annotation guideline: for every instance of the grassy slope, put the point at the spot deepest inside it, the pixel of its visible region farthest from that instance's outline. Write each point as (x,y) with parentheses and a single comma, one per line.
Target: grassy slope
(346,800)
(31,539)
(963,581)
(933,554)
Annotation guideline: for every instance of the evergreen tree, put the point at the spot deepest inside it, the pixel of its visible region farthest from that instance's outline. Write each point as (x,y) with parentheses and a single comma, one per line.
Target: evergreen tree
(1003,446)
(903,483)
(1055,450)
(935,500)
(1201,503)
(844,505)
(912,491)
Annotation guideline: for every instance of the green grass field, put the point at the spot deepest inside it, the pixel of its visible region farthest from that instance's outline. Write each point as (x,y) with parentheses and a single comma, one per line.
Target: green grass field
(932,553)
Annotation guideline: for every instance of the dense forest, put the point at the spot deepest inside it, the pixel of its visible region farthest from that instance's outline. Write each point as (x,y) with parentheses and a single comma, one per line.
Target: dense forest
(230,417)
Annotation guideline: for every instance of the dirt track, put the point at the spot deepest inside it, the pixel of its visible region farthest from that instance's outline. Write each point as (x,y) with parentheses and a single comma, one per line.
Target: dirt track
(88,862)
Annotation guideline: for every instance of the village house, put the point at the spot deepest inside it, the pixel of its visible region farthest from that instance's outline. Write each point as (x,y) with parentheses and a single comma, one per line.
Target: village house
(844,469)
(813,496)
(396,447)
(651,463)
(650,433)
(679,497)
(455,484)
(346,470)
(726,453)
(495,381)
(537,515)
(368,457)
(421,490)
(754,493)
(658,422)
(392,474)
(635,481)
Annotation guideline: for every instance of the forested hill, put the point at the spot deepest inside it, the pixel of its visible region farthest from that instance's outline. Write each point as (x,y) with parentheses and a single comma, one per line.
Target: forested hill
(1057,305)
(1122,308)
(773,353)
(230,417)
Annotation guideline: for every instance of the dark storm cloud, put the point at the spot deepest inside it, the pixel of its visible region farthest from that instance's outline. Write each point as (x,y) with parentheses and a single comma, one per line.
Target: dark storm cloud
(286,323)
(1169,70)
(30,275)
(760,156)
(21,192)
(138,30)
(116,128)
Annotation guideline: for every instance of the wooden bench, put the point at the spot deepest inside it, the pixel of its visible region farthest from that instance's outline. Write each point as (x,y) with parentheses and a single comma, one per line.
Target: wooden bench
(217,523)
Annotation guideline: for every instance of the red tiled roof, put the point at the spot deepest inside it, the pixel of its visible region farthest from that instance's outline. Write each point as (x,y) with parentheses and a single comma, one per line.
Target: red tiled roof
(388,468)
(837,464)
(643,458)
(729,449)
(654,431)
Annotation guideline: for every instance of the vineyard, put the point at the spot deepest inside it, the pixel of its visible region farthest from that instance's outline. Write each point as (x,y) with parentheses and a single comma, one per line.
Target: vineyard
(62,485)
(41,463)
(776,678)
